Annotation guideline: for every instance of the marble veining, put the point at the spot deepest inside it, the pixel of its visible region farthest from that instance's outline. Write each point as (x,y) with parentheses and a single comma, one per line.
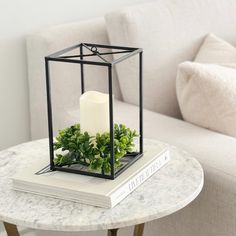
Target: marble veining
(167,191)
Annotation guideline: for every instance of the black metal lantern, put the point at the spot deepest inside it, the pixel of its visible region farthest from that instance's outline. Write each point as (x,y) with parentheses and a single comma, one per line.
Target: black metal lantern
(98,51)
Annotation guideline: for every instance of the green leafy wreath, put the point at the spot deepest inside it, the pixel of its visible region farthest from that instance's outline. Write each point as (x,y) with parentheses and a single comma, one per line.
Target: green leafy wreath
(90,151)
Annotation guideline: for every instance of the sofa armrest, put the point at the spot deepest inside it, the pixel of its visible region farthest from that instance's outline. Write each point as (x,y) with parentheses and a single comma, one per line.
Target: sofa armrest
(65,78)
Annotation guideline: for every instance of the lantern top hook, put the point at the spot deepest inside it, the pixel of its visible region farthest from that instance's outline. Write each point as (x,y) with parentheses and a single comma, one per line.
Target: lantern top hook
(96,54)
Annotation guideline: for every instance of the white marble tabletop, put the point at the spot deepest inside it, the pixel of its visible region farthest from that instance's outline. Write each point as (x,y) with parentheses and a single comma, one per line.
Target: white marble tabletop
(167,191)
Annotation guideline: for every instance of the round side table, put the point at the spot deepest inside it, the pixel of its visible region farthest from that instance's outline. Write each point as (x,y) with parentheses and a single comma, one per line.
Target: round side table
(170,189)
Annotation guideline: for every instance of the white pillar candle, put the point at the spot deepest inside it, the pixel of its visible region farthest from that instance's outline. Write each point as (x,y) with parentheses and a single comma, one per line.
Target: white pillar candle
(94,112)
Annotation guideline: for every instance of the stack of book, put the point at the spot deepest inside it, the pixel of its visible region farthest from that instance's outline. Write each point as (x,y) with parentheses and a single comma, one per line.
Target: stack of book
(91,190)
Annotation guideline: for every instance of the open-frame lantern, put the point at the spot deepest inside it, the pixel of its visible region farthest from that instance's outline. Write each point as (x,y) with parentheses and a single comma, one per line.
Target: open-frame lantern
(82,59)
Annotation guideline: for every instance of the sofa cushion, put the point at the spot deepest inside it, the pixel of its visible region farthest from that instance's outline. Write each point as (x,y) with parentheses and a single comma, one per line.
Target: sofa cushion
(216,50)
(206,92)
(170,32)
(207,96)
(210,148)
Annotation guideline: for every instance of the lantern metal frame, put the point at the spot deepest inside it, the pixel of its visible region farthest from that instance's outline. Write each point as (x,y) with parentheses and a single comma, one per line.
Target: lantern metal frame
(80,59)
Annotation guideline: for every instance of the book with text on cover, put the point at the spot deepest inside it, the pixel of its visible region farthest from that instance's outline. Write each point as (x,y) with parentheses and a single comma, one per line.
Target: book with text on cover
(92,190)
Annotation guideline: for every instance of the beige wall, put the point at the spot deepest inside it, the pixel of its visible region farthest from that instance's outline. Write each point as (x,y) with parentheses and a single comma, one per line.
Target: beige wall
(17,19)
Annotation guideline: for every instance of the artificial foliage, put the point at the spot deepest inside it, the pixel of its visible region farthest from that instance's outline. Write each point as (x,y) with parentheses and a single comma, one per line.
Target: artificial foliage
(78,147)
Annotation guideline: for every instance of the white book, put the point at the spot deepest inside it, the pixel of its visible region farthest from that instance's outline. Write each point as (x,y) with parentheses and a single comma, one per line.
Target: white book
(91,190)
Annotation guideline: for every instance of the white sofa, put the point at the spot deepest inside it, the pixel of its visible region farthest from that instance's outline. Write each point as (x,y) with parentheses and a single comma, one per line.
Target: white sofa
(170,32)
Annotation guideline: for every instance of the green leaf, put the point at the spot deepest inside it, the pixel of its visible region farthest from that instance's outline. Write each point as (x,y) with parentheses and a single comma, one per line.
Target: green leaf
(93,151)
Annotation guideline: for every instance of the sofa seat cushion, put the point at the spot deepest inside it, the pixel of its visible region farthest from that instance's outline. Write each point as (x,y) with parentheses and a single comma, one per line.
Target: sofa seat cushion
(212,149)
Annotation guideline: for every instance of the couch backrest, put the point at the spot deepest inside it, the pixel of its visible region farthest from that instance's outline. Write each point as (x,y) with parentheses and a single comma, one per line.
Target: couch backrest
(170,31)
(65,77)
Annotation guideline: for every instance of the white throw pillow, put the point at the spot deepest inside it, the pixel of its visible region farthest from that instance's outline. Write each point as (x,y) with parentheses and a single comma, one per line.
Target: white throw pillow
(207,96)
(207,92)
